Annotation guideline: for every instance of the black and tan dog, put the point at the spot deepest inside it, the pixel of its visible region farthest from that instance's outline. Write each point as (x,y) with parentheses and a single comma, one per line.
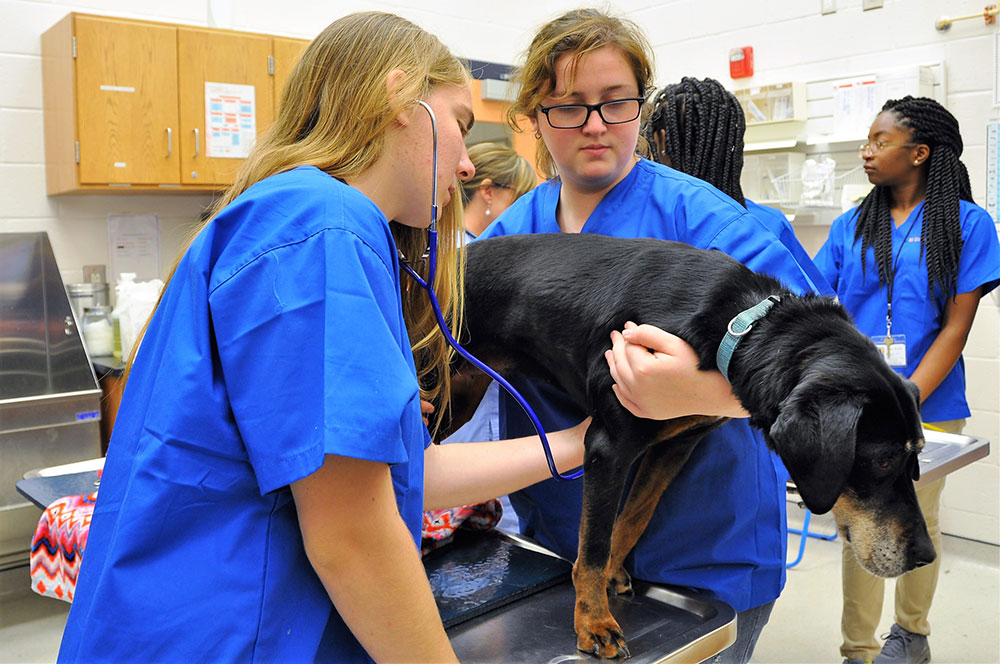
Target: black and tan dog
(845,424)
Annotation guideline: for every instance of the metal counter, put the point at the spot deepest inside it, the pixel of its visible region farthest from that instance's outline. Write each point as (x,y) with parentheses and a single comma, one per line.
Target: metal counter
(505,599)
(661,624)
(49,398)
(945,453)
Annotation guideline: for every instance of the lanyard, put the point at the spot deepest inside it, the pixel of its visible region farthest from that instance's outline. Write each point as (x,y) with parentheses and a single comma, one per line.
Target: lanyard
(892,275)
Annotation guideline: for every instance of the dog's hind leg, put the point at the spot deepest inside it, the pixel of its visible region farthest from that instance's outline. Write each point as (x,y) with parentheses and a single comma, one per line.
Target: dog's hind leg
(605,468)
(658,468)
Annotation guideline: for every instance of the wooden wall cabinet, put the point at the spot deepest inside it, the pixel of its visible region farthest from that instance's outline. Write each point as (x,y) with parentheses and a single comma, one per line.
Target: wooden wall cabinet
(127,102)
(124,101)
(206,56)
(286,53)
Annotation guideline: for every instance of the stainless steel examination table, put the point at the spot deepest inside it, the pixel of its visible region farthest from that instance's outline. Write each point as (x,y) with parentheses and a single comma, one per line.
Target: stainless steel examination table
(942,454)
(504,599)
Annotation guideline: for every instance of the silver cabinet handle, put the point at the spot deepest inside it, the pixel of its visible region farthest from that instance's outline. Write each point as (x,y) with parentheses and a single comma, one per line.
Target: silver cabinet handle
(170,141)
(197,150)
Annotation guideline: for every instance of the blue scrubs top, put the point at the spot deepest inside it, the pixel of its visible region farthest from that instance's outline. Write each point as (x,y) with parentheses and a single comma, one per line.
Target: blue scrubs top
(279,340)
(915,313)
(776,221)
(720,526)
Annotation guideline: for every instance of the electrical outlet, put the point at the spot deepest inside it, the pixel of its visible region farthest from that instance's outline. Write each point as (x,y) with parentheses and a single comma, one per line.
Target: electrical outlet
(827,6)
(871,4)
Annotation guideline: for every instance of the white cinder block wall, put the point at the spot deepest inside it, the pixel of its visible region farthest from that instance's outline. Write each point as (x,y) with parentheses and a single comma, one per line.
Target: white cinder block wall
(792,42)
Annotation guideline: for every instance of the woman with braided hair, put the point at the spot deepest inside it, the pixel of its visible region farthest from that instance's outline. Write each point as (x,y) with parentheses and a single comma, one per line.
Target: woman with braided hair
(697,127)
(911,264)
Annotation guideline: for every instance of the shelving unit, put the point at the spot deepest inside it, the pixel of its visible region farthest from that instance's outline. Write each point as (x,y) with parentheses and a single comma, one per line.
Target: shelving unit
(810,132)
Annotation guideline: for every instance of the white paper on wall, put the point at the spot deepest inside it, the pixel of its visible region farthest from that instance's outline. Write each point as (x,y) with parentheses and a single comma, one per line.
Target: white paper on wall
(993,169)
(134,246)
(230,120)
(854,106)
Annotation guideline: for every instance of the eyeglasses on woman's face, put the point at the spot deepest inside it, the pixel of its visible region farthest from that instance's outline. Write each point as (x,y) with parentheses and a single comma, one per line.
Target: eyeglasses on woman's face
(878,146)
(574,116)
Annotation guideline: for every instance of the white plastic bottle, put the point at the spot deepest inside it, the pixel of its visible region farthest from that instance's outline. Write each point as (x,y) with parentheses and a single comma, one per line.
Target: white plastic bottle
(97,331)
(123,303)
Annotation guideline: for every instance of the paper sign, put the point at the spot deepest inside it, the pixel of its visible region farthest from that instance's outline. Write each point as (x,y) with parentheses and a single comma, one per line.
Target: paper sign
(230,120)
(854,106)
(993,169)
(134,246)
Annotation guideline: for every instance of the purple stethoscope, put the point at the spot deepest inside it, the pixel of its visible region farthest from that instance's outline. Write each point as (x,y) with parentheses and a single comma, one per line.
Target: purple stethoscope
(431,256)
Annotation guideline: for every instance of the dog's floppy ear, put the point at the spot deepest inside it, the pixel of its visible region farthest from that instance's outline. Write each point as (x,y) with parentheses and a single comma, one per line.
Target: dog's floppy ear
(912,409)
(815,435)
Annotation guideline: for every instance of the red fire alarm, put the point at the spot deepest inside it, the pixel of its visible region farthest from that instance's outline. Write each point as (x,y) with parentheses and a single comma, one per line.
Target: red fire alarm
(741,62)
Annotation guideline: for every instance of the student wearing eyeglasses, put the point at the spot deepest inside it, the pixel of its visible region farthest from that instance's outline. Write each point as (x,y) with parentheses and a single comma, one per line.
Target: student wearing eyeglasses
(720,526)
(911,263)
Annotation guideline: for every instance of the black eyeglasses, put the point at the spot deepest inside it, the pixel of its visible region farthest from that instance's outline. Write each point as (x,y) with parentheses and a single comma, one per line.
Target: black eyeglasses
(574,116)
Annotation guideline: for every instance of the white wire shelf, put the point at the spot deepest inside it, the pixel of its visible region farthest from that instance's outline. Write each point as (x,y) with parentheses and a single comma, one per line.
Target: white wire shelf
(835,191)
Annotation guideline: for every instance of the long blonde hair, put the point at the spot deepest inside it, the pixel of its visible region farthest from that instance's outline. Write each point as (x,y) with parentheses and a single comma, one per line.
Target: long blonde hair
(334,114)
(576,32)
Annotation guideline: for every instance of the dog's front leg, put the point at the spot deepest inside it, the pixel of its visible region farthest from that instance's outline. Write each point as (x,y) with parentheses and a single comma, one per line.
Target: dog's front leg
(658,468)
(605,468)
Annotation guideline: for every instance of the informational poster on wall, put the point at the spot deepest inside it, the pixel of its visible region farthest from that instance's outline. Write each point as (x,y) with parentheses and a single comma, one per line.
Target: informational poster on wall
(230,120)
(854,106)
(993,169)
(134,246)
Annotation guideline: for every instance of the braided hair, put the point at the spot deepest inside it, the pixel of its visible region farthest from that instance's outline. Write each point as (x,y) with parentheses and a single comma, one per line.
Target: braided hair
(704,125)
(931,124)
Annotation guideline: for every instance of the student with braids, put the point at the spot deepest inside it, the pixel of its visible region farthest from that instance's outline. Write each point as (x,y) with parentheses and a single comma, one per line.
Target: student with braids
(697,127)
(911,264)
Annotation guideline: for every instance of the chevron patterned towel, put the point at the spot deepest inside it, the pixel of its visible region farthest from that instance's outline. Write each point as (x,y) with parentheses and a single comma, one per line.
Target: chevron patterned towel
(58,545)
(440,525)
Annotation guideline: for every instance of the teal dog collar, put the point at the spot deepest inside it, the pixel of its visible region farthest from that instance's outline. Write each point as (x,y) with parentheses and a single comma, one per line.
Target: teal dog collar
(738,327)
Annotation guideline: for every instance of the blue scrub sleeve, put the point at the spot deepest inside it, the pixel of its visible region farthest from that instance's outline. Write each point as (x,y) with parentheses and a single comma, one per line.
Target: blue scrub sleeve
(979,264)
(830,258)
(753,244)
(309,344)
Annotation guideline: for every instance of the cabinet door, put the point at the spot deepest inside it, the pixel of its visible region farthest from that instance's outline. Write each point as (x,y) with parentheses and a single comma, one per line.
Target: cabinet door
(286,54)
(126,91)
(230,70)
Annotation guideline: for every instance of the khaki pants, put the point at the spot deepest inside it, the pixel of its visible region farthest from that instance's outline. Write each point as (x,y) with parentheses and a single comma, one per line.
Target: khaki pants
(863,591)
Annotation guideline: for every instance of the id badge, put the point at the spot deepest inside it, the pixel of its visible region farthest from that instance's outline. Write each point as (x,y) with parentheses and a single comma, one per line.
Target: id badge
(893,349)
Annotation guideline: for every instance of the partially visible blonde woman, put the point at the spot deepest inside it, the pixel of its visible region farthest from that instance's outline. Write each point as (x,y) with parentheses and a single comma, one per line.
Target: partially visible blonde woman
(263,490)
(502,176)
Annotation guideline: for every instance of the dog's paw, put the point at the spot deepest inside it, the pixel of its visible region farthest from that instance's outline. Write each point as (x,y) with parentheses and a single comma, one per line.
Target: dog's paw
(620,583)
(603,638)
